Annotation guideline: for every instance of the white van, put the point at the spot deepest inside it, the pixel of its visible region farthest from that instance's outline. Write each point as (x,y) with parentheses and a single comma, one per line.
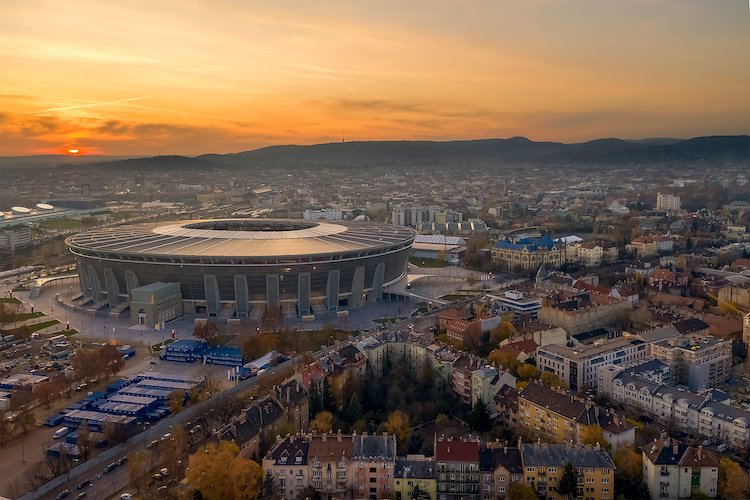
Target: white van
(60,432)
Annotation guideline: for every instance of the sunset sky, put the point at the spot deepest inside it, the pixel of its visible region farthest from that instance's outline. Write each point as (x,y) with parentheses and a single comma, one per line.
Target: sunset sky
(219,76)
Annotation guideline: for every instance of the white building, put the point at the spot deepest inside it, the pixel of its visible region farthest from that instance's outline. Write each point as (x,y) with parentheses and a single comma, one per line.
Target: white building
(667,202)
(323,213)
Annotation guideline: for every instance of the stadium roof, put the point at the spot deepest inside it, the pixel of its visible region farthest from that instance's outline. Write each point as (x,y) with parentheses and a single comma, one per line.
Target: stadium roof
(241,238)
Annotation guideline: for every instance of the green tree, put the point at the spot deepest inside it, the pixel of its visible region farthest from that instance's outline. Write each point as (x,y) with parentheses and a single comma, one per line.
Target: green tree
(479,417)
(354,409)
(329,402)
(518,491)
(568,484)
(316,401)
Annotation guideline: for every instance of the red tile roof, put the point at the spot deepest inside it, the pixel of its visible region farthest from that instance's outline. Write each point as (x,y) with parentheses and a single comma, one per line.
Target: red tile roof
(457,451)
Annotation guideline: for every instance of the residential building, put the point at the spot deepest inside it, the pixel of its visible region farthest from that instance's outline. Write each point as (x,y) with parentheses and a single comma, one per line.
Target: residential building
(457,463)
(581,312)
(558,417)
(517,302)
(696,361)
(499,466)
(415,476)
(594,253)
(648,246)
(577,365)
(528,253)
(330,456)
(323,213)
(287,463)
(543,466)
(706,414)
(673,470)
(486,382)
(668,202)
(461,378)
(373,466)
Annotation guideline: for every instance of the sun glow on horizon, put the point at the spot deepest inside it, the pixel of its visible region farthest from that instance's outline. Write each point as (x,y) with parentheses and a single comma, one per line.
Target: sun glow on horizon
(73,151)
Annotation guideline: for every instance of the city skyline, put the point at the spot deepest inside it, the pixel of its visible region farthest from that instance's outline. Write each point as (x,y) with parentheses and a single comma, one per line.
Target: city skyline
(207,77)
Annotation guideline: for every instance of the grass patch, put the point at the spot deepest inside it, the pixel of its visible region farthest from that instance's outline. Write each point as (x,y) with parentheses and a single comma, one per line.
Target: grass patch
(23,289)
(426,262)
(39,326)
(309,340)
(451,297)
(6,300)
(158,347)
(25,316)
(61,224)
(67,333)
(469,291)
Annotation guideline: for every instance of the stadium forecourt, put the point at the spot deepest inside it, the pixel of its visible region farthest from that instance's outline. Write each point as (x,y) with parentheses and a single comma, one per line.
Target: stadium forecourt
(239,267)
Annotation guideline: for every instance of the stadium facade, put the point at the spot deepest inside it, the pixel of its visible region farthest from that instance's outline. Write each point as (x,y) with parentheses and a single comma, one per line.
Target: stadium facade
(238,267)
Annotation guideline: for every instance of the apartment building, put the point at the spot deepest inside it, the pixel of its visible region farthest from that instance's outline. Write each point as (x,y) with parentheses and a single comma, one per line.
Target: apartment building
(673,470)
(415,477)
(648,246)
(499,466)
(487,381)
(287,464)
(330,457)
(543,466)
(704,414)
(593,253)
(696,361)
(668,202)
(581,312)
(457,463)
(558,417)
(578,365)
(373,466)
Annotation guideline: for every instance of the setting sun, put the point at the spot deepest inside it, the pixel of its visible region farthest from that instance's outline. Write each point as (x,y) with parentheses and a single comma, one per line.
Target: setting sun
(73,151)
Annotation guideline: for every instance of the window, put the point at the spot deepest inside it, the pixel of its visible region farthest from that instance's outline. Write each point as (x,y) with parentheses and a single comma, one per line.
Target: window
(529,469)
(553,470)
(501,489)
(605,490)
(589,479)
(605,480)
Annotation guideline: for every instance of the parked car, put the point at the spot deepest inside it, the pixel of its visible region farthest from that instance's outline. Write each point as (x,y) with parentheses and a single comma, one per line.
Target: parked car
(110,467)
(157,477)
(722,448)
(152,444)
(62,495)
(126,496)
(706,442)
(83,484)
(122,460)
(166,436)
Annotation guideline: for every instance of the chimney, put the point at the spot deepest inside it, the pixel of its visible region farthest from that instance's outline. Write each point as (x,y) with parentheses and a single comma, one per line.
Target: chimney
(598,447)
(338,436)
(324,437)
(675,448)
(505,449)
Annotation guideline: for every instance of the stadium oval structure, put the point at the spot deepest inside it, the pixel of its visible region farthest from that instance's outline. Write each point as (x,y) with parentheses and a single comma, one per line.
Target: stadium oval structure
(238,267)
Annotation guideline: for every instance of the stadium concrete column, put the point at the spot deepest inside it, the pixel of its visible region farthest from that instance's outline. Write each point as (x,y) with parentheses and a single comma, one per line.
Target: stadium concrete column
(377,283)
(212,294)
(332,297)
(303,293)
(358,287)
(272,290)
(131,281)
(94,283)
(113,291)
(83,280)
(241,295)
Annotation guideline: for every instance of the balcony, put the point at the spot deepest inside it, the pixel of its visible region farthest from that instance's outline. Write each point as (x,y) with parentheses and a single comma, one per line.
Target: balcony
(665,473)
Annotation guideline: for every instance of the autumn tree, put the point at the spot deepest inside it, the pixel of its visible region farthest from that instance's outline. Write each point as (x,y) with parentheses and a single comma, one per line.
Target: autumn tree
(84,441)
(398,425)
(207,331)
(323,422)
(568,484)
(527,372)
(502,332)
(176,401)
(21,403)
(733,482)
(211,383)
(272,320)
(87,364)
(6,428)
(258,345)
(507,361)
(138,466)
(220,472)
(112,360)
(629,464)
(592,434)
(46,391)
(551,380)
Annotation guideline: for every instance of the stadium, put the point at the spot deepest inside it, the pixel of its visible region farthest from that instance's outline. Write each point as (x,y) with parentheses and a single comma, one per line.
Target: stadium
(239,267)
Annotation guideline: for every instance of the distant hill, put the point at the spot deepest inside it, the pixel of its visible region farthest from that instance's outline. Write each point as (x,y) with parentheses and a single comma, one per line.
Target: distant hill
(716,150)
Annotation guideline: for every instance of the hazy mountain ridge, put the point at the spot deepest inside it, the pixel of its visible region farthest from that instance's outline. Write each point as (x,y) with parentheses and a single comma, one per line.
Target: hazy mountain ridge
(714,149)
